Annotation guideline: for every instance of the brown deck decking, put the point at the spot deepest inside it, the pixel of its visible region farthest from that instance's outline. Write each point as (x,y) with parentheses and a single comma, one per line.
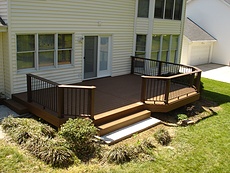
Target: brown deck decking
(115,92)
(112,93)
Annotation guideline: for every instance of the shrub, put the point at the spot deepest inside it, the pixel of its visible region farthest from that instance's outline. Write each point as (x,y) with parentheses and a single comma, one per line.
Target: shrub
(79,133)
(40,140)
(118,155)
(182,117)
(162,136)
(9,123)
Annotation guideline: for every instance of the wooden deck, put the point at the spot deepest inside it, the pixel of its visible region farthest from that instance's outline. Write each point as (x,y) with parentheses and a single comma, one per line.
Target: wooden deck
(115,92)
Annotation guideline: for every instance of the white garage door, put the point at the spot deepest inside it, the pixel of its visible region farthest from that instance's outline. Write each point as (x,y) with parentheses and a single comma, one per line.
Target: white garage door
(200,54)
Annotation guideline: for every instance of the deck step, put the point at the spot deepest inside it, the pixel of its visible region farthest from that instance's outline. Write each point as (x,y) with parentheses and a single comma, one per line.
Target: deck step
(16,107)
(128,131)
(118,113)
(123,122)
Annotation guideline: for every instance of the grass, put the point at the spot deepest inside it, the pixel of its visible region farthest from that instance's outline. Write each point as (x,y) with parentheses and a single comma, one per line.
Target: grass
(203,147)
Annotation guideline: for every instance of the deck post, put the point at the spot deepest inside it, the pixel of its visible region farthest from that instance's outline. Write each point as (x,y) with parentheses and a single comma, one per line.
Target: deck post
(159,68)
(191,81)
(29,88)
(143,90)
(167,91)
(92,98)
(197,83)
(60,102)
(132,64)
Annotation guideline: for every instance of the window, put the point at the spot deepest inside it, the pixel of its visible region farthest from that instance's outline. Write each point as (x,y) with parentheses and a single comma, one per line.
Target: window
(156,41)
(64,48)
(164,47)
(25,51)
(43,50)
(178,9)
(168,9)
(159,9)
(174,47)
(46,50)
(140,45)
(143,8)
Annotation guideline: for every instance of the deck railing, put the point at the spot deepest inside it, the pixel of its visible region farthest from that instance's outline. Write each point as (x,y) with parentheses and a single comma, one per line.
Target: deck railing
(164,81)
(65,100)
(151,67)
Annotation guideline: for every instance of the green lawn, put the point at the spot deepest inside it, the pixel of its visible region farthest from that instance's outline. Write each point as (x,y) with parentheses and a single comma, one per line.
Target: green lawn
(204,147)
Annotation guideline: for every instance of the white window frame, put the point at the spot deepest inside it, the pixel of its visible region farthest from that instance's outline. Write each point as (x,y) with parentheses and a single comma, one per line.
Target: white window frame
(36,52)
(173,13)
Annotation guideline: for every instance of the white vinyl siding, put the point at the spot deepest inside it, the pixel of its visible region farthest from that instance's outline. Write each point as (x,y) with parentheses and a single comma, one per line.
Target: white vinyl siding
(3,10)
(1,66)
(161,26)
(142,25)
(6,62)
(98,17)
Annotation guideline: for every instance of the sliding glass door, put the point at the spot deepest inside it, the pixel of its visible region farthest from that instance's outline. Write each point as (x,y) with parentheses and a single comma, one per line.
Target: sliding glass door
(97,56)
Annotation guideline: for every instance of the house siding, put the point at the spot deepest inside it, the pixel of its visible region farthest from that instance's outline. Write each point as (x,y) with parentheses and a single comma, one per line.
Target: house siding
(161,26)
(3,10)
(142,25)
(6,62)
(1,66)
(113,18)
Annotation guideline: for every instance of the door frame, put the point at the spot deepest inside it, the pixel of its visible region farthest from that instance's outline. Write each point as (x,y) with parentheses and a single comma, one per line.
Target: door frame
(109,71)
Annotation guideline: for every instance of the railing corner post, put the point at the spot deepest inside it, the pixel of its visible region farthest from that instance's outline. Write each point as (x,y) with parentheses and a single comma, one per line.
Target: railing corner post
(198,81)
(167,91)
(159,68)
(132,64)
(60,102)
(29,88)
(143,90)
(92,98)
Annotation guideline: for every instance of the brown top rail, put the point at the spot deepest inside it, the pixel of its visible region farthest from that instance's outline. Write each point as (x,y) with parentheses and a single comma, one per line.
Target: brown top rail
(170,77)
(76,86)
(65,100)
(42,79)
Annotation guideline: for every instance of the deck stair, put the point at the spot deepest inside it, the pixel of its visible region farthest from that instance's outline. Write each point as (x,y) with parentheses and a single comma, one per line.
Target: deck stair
(16,107)
(121,123)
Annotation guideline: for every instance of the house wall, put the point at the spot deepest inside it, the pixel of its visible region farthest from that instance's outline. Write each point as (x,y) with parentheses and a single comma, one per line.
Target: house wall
(6,63)
(167,26)
(1,66)
(214,18)
(186,51)
(3,10)
(115,18)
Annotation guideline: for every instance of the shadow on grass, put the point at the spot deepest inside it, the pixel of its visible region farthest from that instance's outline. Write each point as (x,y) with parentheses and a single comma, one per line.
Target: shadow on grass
(209,101)
(216,97)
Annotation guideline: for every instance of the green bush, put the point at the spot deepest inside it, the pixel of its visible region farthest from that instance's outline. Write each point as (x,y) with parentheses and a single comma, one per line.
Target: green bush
(80,134)
(40,139)
(52,151)
(119,155)
(182,117)
(162,136)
